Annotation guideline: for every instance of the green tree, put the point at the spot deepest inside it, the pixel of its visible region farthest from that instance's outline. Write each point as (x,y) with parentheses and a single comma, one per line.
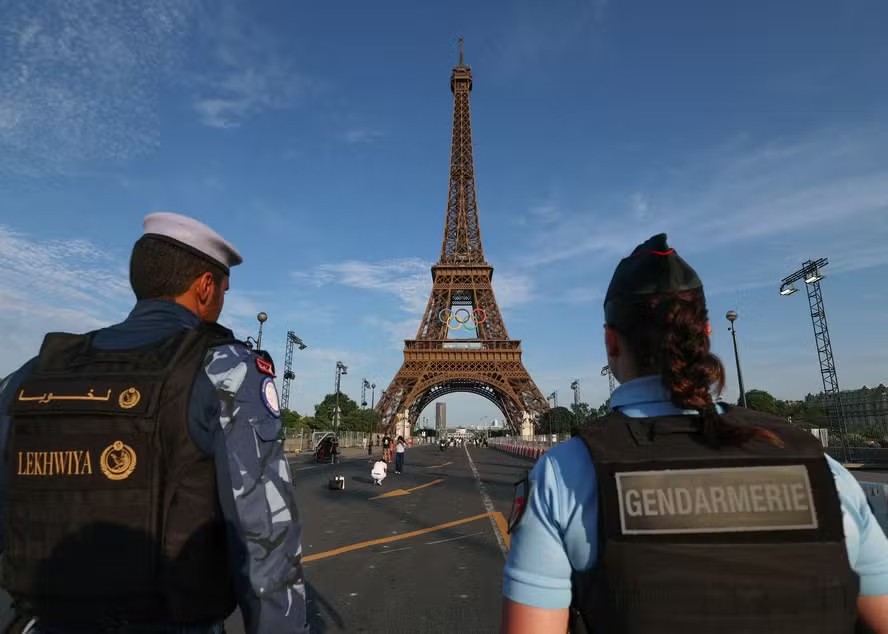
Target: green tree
(603,410)
(324,409)
(311,423)
(762,401)
(290,419)
(557,420)
(582,413)
(361,420)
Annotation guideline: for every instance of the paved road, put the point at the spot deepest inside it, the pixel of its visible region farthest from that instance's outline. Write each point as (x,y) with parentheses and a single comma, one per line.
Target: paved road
(425,557)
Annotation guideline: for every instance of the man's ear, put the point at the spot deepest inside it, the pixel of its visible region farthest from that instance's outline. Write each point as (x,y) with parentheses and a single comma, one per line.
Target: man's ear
(611,342)
(204,287)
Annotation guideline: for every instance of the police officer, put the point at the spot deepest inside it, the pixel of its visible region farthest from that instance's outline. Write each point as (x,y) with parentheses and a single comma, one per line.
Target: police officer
(678,514)
(146,488)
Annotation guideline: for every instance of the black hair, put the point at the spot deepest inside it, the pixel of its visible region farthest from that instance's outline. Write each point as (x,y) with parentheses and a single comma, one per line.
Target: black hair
(159,269)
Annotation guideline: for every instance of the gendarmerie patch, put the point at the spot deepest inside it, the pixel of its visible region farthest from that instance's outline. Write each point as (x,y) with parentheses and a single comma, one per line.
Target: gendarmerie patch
(735,499)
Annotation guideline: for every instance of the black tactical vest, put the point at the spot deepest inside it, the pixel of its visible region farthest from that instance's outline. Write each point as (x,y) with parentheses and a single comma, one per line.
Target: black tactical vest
(113,510)
(700,540)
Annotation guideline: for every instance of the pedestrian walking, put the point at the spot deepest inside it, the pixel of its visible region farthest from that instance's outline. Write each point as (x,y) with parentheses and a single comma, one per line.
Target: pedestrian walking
(400,450)
(149,491)
(387,448)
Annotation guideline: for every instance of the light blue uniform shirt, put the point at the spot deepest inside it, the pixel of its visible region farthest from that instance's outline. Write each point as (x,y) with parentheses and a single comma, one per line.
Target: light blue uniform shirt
(558,533)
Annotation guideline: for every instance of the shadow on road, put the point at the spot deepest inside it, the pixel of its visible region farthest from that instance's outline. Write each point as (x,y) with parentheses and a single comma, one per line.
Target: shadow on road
(321,612)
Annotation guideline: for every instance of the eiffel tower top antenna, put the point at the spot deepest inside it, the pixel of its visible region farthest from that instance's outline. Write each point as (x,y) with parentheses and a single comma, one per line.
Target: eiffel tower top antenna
(461,52)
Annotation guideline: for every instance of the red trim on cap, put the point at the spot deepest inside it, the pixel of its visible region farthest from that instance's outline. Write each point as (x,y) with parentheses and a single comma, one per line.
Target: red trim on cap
(264,367)
(669,252)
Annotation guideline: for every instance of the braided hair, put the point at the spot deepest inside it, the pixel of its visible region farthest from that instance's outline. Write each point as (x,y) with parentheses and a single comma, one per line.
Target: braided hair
(668,334)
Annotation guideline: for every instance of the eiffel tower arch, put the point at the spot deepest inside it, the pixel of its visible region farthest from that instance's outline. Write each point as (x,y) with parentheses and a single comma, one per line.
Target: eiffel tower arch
(489,363)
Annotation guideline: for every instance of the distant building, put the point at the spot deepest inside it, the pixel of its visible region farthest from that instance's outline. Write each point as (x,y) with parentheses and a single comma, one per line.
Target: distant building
(866,409)
(441,418)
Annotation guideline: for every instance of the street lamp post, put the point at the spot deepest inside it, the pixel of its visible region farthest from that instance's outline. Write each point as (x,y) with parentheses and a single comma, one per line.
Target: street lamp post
(364,385)
(731,316)
(575,386)
(262,318)
(257,343)
(606,371)
(341,369)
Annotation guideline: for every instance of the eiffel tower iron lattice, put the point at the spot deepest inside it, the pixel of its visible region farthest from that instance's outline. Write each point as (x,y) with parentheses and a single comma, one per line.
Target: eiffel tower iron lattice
(488,364)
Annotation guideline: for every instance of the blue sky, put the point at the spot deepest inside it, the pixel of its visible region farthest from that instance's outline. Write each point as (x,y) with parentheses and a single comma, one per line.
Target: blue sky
(315,136)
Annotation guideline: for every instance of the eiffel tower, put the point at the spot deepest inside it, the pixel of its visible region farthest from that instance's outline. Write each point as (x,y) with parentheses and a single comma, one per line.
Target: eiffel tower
(488,364)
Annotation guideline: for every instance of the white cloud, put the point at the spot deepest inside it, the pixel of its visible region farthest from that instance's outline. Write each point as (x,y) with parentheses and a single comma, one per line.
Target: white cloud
(357,136)
(57,285)
(547,213)
(409,280)
(531,32)
(406,278)
(80,82)
(247,74)
(788,191)
(639,206)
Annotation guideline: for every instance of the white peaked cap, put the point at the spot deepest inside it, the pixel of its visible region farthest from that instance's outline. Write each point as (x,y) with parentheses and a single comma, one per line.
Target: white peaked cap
(193,236)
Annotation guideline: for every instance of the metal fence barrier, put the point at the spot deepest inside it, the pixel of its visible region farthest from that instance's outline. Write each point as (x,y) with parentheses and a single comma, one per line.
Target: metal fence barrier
(301,441)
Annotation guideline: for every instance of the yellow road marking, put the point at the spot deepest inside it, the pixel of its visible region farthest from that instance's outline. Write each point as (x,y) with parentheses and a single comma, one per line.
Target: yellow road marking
(503,527)
(436,466)
(397,492)
(392,538)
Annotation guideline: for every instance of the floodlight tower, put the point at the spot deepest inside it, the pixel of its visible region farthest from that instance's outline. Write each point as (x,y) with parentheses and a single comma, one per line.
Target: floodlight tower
(575,386)
(554,398)
(292,340)
(810,273)
(364,385)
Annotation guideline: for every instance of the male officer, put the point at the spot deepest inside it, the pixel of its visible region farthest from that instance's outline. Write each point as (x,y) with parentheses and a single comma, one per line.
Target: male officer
(148,490)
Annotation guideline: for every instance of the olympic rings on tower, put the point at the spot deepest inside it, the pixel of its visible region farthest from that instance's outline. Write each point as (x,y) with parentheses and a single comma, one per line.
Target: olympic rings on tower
(469,321)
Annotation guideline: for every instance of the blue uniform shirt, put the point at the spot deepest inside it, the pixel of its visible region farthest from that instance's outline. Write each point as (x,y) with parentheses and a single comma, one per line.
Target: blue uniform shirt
(229,419)
(558,532)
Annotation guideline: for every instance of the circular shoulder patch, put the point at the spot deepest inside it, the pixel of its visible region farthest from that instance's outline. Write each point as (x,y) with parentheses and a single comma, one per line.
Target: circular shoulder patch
(270,397)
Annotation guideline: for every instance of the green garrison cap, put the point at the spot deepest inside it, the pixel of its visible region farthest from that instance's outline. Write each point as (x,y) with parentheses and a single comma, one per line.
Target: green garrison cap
(653,268)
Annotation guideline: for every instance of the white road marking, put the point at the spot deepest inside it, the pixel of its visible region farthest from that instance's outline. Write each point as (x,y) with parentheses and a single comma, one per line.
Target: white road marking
(488,504)
(441,541)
